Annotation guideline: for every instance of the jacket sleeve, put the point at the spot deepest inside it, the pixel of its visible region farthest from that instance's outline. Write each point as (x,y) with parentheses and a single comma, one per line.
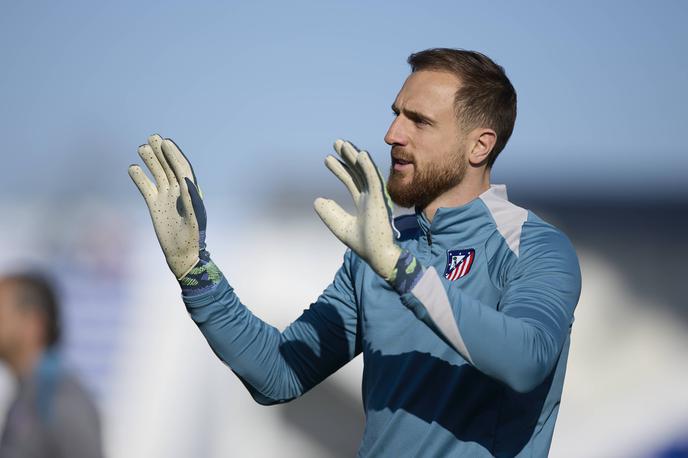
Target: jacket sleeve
(519,342)
(280,366)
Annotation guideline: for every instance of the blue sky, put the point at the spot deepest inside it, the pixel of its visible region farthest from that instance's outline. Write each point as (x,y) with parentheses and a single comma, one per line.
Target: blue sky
(256,92)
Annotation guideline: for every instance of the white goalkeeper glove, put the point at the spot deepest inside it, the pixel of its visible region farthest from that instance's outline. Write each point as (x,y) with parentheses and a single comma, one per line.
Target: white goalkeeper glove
(369,233)
(174,203)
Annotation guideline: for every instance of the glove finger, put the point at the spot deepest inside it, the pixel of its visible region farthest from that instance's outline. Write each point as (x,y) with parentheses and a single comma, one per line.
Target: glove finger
(372,175)
(174,154)
(346,150)
(151,160)
(376,183)
(349,153)
(342,172)
(336,219)
(180,166)
(182,175)
(366,167)
(155,141)
(146,188)
(197,204)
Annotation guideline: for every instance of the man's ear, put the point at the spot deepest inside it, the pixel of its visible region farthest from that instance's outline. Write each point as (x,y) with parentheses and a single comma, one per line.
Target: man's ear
(483,141)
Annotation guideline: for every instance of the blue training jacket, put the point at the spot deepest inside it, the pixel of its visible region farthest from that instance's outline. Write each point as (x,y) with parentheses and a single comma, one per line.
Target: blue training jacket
(469,362)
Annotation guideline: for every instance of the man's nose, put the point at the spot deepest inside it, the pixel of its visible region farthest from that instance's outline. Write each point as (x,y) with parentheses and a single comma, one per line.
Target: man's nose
(395,134)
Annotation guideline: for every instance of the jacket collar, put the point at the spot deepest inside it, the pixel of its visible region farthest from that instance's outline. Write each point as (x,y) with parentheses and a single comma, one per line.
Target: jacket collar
(446,218)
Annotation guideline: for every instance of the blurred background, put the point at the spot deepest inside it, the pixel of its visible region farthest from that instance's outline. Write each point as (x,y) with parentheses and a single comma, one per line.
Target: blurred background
(255,93)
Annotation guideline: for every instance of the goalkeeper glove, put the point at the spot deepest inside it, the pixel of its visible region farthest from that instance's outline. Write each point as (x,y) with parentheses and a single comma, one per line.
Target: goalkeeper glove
(370,233)
(176,208)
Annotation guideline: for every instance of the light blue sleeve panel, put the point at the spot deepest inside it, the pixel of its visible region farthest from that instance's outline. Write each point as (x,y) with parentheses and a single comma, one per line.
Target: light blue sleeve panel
(519,342)
(280,366)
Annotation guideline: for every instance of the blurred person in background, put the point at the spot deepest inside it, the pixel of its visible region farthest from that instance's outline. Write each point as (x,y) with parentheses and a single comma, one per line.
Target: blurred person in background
(52,415)
(463,313)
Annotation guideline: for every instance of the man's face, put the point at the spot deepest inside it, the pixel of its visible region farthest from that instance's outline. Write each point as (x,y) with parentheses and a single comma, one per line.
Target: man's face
(428,156)
(12,319)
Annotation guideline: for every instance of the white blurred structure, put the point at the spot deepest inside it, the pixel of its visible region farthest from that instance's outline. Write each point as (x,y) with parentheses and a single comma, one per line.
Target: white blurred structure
(625,389)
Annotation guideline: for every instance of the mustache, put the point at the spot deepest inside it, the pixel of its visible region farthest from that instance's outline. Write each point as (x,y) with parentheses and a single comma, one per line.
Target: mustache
(399,153)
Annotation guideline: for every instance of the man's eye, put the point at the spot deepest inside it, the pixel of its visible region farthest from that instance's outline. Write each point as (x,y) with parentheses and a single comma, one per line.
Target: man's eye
(394,113)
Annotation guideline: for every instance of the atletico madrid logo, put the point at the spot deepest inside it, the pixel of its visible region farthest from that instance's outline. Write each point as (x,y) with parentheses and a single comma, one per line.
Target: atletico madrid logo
(459,263)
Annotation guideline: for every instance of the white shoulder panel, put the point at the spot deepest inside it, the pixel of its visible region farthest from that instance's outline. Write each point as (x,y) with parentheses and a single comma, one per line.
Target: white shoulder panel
(430,292)
(508,217)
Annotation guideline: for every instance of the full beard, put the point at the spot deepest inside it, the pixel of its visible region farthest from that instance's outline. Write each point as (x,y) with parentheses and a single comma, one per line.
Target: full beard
(427,183)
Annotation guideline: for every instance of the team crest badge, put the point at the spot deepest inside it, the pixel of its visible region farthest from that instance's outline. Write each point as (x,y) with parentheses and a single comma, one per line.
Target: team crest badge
(459,263)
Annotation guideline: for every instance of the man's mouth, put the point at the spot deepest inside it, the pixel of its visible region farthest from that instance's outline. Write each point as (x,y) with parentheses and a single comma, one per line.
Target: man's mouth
(401,164)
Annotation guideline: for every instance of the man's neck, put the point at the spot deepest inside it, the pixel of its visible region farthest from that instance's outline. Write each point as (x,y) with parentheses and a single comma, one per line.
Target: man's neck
(24,362)
(469,189)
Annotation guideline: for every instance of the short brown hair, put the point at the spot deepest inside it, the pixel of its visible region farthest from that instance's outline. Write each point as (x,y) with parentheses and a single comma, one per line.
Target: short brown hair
(36,291)
(485,98)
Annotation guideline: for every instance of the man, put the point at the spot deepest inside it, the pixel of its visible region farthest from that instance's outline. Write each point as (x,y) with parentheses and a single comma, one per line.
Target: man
(51,415)
(463,315)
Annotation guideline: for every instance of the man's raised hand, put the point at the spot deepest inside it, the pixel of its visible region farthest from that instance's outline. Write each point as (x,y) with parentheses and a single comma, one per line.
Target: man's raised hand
(369,233)
(174,202)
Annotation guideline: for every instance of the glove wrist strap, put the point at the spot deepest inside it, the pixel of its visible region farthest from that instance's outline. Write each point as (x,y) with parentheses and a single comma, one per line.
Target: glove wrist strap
(406,273)
(202,277)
